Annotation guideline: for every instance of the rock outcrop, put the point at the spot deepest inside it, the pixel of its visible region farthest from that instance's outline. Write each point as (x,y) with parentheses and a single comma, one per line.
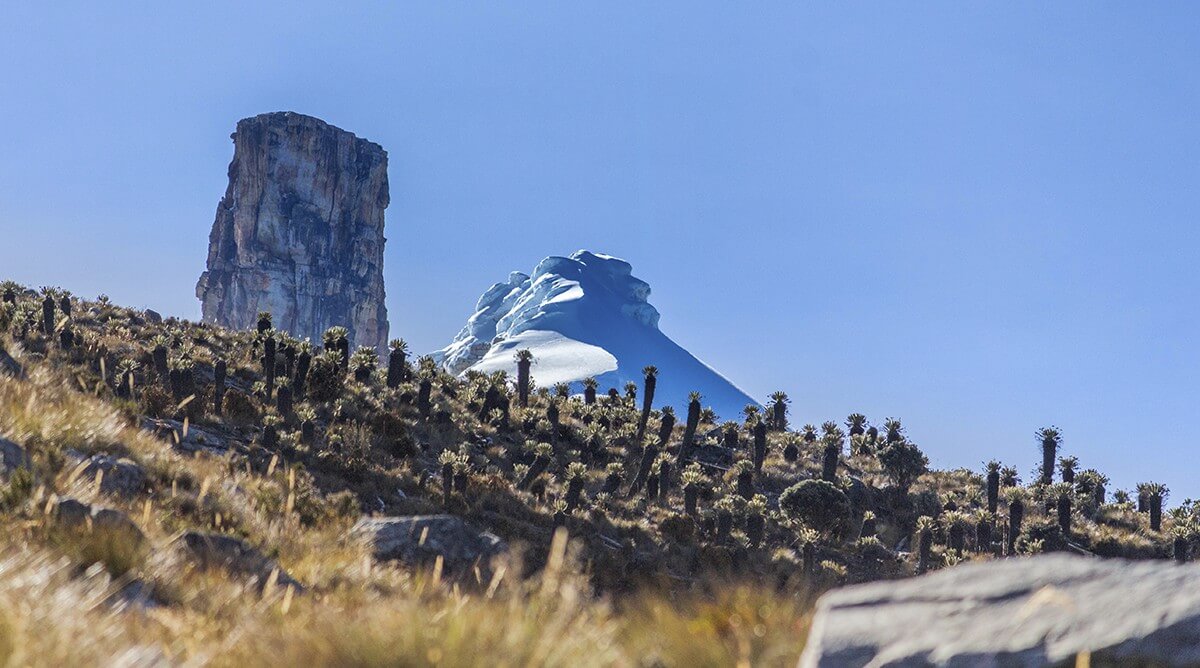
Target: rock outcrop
(299,232)
(1038,611)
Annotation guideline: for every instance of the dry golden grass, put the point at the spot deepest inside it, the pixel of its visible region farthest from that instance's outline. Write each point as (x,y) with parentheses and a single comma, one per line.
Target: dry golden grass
(58,606)
(52,614)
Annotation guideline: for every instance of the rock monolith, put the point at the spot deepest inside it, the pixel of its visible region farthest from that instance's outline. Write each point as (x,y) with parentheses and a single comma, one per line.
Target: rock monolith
(299,232)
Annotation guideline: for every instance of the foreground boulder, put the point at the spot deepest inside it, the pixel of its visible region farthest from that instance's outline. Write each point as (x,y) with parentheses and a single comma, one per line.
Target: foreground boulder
(1019,612)
(420,539)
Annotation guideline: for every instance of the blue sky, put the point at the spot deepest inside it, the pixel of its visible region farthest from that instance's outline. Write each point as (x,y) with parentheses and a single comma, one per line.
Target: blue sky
(978,217)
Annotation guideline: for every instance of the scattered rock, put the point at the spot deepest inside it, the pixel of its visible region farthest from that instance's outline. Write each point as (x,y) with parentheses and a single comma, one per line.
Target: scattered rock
(1033,611)
(117,522)
(214,550)
(714,455)
(137,594)
(299,232)
(153,316)
(195,440)
(72,514)
(121,477)
(10,366)
(12,457)
(419,539)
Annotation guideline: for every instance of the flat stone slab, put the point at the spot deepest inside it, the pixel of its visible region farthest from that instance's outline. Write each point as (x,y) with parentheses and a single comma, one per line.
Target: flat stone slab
(196,439)
(1033,611)
(420,539)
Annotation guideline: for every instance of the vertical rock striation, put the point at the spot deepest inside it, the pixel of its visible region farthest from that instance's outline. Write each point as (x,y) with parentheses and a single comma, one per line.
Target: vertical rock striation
(299,231)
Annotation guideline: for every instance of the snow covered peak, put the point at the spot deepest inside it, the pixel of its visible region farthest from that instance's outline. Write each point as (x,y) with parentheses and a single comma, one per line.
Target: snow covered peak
(583,315)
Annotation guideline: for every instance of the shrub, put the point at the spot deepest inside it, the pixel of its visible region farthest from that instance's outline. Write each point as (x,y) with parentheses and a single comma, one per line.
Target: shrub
(326,378)
(157,402)
(240,408)
(1043,535)
(678,529)
(17,490)
(903,462)
(818,504)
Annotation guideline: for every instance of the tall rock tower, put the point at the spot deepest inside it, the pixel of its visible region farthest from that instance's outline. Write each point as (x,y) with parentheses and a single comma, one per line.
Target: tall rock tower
(299,231)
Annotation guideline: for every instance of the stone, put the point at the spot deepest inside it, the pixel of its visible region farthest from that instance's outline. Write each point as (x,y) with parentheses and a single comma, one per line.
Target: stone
(1034,611)
(116,522)
(299,232)
(122,477)
(404,539)
(10,366)
(72,513)
(196,439)
(12,457)
(213,550)
(138,595)
(153,317)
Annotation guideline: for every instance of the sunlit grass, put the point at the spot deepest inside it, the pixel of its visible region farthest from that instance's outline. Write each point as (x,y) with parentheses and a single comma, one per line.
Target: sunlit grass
(61,600)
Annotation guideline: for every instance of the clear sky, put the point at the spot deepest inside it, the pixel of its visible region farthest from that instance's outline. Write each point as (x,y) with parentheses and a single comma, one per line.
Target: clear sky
(978,217)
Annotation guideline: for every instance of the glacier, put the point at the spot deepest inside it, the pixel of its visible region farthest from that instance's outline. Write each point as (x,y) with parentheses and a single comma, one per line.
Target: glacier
(581,316)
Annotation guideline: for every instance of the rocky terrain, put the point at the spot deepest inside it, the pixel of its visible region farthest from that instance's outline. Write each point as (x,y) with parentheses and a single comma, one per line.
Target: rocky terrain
(177,492)
(299,232)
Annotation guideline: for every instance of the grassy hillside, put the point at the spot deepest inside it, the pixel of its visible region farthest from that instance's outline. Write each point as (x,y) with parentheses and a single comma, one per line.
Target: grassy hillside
(127,439)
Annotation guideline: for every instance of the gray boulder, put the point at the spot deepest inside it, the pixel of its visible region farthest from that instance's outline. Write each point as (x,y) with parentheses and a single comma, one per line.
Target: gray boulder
(194,440)
(1034,611)
(117,522)
(122,477)
(234,555)
(74,514)
(420,539)
(12,457)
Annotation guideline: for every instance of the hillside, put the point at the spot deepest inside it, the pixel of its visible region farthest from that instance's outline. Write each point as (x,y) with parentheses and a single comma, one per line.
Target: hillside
(175,491)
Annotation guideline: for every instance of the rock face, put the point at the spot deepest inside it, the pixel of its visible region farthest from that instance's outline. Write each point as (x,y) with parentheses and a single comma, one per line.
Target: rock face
(299,232)
(1019,612)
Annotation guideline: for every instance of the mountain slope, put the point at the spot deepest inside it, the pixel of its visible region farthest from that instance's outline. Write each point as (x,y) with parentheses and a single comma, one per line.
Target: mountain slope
(582,316)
